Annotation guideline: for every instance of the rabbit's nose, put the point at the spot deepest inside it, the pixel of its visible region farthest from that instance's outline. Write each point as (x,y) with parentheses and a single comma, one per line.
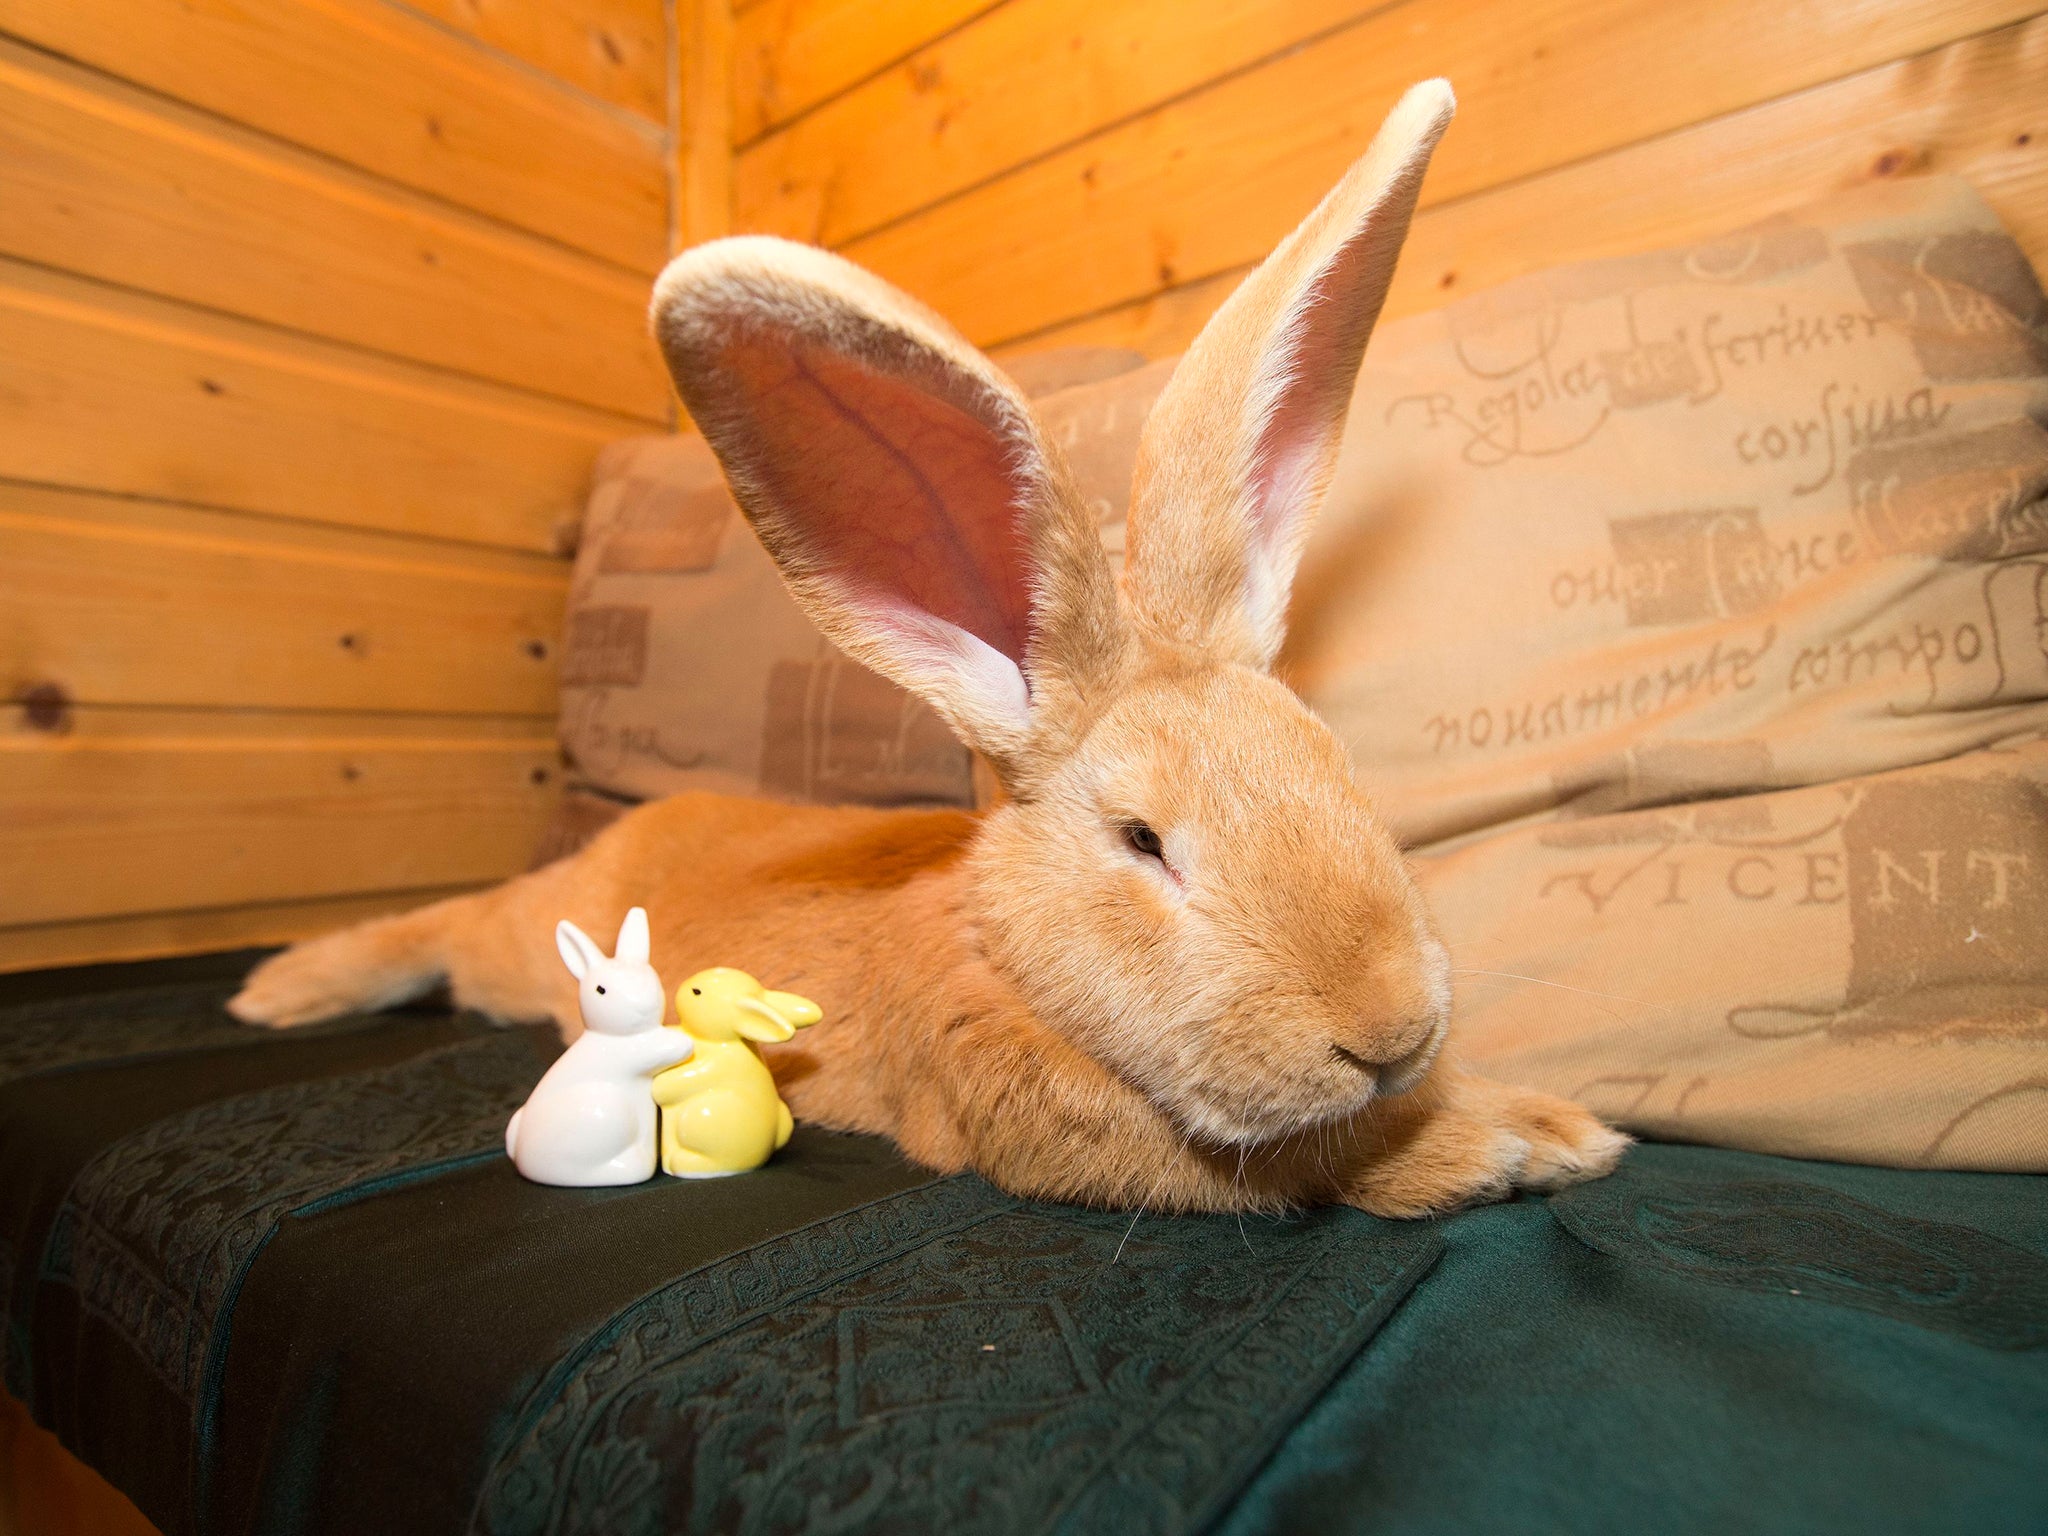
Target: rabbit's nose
(1396,1054)
(1405,1071)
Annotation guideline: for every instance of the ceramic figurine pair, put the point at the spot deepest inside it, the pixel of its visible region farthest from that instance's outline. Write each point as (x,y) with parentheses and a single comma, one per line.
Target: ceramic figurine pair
(628,1091)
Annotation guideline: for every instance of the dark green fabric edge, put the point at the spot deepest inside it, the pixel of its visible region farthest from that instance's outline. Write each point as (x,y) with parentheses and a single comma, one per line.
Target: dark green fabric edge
(208,1418)
(1257,1455)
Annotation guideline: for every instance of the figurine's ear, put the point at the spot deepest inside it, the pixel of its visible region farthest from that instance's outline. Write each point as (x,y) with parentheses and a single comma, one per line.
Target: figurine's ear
(758,1021)
(794,1010)
(578,952)
(633,945)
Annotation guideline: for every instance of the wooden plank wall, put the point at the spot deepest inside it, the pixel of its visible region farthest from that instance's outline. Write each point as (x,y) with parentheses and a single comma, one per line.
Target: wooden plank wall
(1101,171)
(313,313)
(312,316)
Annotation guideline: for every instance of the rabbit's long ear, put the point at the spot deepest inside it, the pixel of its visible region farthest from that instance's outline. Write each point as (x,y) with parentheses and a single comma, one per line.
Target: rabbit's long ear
(899,480)
(1238,451)
(579,951)
(634,944)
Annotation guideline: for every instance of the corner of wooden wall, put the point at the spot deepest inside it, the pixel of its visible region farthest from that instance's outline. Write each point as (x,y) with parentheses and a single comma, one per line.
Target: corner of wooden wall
(700,105)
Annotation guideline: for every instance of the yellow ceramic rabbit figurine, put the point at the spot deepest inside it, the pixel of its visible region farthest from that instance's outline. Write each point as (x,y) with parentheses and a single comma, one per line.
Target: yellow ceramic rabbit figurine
(720,1112)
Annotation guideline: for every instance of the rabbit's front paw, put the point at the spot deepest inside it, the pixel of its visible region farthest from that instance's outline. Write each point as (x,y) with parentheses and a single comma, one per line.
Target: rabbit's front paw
(1472,1140)
(1567,1143)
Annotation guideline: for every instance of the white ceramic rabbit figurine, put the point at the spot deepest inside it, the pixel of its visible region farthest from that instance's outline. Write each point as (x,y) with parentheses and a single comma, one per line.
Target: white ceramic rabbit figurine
(591,1120)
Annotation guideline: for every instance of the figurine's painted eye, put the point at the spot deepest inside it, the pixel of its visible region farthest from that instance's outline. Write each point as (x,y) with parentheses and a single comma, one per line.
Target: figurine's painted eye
(1144,840)
(696,991)
(600,991)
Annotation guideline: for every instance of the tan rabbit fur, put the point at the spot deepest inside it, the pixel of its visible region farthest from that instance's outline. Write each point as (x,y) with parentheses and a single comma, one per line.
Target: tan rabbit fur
(1181,965)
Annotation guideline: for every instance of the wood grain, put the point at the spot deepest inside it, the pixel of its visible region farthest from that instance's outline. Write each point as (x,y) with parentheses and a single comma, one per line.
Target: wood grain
(264,613)
(789,55)
(1158,325)
(390,92)
(1974,109)
(1026,77)
(100,178)
(146,935)
(615,49)
(1210,182)
(134,811)
(108,390)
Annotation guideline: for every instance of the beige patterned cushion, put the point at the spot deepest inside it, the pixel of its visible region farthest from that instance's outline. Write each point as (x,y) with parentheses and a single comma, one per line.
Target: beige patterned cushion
(1686,613)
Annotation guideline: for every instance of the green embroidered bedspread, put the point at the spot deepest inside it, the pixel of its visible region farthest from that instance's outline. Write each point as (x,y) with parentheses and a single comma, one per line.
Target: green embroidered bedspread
(290,1284)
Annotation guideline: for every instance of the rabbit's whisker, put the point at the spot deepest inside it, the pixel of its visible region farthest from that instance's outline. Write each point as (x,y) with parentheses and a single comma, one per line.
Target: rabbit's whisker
(1237,1183)
(1561,986)
(1135,1215)
(1164,1174)
(1510,988)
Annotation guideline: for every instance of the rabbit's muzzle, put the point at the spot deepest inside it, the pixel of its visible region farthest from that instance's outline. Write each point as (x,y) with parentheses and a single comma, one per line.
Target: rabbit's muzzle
(1231,1100)
(1403,1056)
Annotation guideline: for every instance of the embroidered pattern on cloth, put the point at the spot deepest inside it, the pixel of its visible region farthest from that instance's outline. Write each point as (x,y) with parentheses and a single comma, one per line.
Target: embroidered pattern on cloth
(952,1359)
(1803,1240)
(73,1031)
(159,1227)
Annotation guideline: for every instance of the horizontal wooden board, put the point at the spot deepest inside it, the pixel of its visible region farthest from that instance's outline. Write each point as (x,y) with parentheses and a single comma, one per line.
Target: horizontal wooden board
(100,178)
(1213,180)
(1028,76)
(390,92)
(1974,109)
(131,811)
(264,613)
(103,389)
(789,55)
(614,49)
(1158,325)
(147,935)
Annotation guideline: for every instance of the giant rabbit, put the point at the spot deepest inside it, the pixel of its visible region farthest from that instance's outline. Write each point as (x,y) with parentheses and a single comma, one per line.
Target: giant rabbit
(1180,964)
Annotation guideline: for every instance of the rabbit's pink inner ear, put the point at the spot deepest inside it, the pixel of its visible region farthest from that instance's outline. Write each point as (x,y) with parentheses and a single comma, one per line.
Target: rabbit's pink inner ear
(1314,368)
(883,485)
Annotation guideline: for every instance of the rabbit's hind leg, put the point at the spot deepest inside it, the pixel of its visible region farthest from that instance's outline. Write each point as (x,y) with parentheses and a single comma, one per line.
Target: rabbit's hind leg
(373,965)
(495,949)
(500,957)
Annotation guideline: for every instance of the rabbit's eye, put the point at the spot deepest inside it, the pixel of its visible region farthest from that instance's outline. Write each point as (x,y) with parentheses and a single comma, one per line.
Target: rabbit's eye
(1144,840)
(600,991)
